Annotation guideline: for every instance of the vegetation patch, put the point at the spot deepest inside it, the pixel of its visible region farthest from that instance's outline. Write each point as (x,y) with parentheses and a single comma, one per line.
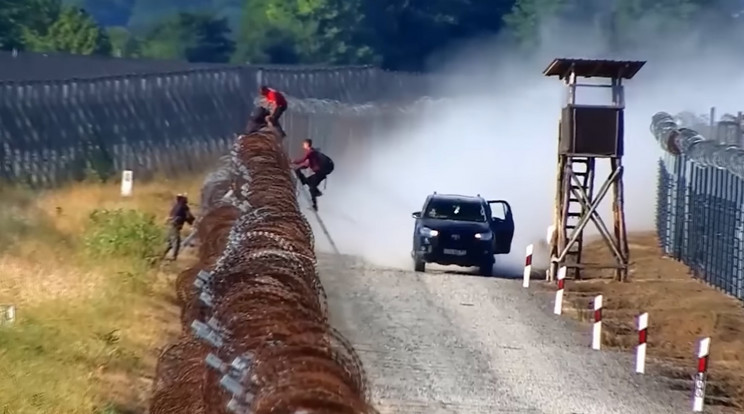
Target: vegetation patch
(94,305)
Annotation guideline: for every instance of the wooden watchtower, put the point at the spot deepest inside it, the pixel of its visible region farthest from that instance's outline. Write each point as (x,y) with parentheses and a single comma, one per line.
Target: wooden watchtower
(588,133)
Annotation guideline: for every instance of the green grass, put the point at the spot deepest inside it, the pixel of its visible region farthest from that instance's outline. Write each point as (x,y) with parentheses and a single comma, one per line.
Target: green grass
(48,356)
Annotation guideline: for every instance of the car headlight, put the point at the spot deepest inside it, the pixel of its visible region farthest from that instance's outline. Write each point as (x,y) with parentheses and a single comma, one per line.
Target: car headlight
(484,236)
(427,232)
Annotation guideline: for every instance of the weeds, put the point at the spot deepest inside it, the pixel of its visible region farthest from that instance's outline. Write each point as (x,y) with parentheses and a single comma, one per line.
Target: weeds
(123,234)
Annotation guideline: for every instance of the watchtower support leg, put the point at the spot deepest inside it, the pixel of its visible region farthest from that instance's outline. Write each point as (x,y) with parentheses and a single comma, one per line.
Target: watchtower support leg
(573,189)
(560,208)
(618,213)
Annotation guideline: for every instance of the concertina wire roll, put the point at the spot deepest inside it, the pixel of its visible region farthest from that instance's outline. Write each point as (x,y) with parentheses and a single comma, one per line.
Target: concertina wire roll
(256,337)
(676,139)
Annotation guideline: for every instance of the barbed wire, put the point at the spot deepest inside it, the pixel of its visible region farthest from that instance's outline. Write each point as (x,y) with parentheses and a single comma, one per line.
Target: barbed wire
(256,305)
(327,106)
(679,140)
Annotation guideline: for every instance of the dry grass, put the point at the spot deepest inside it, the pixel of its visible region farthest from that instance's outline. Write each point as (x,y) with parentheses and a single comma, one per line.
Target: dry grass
(88,330)
(681,311)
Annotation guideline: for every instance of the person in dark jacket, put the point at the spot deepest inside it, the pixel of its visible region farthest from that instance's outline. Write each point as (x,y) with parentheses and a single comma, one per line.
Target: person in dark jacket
(271,106)
(179,215)
(317,162)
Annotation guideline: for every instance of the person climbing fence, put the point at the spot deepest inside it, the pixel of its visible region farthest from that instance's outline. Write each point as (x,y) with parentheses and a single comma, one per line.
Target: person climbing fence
(319,163)
(270,107)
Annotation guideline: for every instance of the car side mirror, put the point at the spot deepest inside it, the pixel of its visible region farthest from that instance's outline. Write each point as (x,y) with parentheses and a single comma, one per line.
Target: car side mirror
(416,215)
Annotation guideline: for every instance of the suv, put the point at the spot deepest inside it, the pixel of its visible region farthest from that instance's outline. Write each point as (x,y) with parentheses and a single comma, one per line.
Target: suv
(461,230)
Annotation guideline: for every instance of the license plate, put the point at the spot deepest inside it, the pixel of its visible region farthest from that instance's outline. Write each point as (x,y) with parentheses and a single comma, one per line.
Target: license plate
(455,252)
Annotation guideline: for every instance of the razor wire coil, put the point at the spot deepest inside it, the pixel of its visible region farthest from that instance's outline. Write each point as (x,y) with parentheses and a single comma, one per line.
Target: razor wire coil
(254,310)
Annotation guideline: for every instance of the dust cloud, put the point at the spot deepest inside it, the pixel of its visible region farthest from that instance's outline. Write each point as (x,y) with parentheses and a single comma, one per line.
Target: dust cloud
(497,136)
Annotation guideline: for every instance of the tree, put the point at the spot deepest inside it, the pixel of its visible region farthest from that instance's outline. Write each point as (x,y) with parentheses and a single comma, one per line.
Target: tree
(229,9)
(21,18)
(123,42)
(344,33)
(10,32)
(73,31)
(146,13)
(524,20)
(402,34)
(624,24)
(278,31)
(195,37)
(109,12)
(638,21)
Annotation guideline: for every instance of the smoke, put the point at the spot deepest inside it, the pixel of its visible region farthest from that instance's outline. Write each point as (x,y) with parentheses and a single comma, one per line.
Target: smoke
(497,137)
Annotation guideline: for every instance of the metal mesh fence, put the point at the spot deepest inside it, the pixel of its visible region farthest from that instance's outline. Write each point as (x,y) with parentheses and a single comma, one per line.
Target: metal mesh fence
(56,130)
(700,195)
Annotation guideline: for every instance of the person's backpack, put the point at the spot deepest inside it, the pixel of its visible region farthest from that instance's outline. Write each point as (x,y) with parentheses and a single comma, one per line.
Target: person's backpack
(326,163)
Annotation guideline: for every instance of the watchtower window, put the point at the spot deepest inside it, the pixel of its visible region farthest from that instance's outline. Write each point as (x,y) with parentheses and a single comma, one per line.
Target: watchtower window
(591,92)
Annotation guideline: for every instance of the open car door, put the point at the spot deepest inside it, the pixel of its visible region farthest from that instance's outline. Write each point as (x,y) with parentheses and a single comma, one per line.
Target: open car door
(502,225)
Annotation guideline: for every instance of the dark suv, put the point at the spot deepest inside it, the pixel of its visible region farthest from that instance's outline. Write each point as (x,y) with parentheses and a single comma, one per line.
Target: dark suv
(461,230)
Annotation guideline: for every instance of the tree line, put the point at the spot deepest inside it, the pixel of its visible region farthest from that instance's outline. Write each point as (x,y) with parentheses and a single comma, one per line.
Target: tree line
(395,34)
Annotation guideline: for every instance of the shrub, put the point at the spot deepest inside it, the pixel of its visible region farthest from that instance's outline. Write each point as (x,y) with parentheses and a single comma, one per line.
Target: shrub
(123,234)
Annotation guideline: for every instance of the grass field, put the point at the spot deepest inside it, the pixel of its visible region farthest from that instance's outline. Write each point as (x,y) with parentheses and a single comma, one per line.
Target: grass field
(94,305)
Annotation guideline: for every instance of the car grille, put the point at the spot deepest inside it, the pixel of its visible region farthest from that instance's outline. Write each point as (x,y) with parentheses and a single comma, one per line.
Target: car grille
(462,240)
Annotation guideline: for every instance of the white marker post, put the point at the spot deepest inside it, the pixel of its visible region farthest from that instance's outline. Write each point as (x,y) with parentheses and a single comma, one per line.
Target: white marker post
(558,309)
(698,401)
(597,328)
(11,314)
(8,314)
(642,339)
(549,242)
(527,267)
(127,183)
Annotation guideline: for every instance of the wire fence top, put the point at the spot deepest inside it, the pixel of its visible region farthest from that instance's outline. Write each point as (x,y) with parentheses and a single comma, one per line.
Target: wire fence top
(679,140)
(28,66)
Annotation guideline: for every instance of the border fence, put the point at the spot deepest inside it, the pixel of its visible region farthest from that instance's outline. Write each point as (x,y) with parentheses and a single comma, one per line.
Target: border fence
(700,196)
(91,118)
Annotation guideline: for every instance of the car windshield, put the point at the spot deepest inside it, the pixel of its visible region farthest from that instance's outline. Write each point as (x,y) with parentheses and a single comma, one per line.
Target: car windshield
(444,209)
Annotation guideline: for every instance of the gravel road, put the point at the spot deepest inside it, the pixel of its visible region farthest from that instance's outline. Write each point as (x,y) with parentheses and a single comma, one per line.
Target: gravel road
(451,343)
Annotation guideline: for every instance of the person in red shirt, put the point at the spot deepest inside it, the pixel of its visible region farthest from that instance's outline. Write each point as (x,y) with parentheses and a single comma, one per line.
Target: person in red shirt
(320,164)
(271,107)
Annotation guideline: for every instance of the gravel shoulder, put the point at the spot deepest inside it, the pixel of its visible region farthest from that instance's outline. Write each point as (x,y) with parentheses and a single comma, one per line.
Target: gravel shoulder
(452,343)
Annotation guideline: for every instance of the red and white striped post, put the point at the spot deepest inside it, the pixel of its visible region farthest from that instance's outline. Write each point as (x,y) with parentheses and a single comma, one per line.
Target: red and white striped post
(527,267)
(642,339)
(698,400)
(558,308)
(597,328)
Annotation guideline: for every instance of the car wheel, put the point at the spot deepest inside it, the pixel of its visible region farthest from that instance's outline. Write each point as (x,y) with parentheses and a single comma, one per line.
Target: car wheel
(419,265)
(486,269)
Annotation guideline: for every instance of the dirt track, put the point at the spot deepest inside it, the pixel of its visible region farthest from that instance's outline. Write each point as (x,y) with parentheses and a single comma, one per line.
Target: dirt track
(445,343)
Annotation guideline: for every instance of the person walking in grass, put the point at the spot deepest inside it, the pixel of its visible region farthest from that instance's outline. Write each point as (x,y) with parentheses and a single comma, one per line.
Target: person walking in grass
(180,214)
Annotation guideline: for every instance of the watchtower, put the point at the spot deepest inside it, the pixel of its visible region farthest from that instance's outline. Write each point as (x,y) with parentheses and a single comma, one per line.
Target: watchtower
(586,134)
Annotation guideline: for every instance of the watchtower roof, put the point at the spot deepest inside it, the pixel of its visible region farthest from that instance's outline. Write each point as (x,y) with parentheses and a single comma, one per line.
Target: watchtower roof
(591,68)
